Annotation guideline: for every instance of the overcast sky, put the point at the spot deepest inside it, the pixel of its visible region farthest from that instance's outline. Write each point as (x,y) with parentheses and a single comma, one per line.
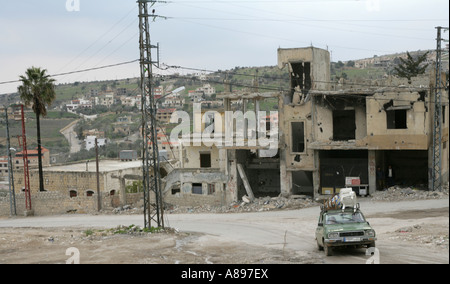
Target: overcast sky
(204,34)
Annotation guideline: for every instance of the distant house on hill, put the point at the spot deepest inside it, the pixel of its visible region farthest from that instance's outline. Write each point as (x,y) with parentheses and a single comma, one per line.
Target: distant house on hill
(32,158)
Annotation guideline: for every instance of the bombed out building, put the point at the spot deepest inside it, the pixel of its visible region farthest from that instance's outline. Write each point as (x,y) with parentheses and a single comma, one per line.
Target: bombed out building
(336,137)
(327,137)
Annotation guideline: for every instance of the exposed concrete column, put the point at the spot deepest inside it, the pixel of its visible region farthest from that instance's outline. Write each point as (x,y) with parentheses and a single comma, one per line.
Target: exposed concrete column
(284,182)
(372,171)
(258,122)
(244,103)
(232,183)
(244,178)
(228,120)
(123,192)
(316,174)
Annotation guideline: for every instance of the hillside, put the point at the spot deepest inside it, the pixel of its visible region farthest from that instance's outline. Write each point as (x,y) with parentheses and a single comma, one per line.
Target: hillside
(263,79)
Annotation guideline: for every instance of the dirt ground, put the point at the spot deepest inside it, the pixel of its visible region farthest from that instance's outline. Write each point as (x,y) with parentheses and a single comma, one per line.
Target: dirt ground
(49,246)
(414,233)
(419,233)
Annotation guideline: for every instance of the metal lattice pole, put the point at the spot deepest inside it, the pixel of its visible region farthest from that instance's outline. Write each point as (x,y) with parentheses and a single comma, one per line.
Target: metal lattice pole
(153,211)
(12,195)
(437,122)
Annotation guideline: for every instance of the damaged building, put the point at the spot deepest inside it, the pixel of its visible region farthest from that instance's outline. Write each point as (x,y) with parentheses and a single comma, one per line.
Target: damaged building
(324,136)
(339,138)
(328,137)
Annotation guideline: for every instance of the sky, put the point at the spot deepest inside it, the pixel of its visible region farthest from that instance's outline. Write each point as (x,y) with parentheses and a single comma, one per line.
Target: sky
(70,35)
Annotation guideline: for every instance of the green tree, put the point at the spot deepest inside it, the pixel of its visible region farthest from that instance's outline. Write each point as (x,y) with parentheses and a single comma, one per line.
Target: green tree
(411,67)
(37,89)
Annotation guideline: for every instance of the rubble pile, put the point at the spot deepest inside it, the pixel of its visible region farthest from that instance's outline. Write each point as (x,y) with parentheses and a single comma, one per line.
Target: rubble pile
(427,234)
(245,205)
(397,193)
(133,230)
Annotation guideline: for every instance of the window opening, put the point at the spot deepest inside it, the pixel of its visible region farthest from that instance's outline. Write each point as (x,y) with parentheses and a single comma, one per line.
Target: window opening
(205,160)
(197,188)
(298,137)
(344,125)
(396,119)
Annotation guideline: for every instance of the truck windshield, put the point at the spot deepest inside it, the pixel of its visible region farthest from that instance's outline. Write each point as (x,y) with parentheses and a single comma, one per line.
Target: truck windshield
(343,218)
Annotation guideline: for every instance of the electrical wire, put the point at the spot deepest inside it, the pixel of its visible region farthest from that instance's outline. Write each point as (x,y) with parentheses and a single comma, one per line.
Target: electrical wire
(97,40)
(281,89)
(79,71)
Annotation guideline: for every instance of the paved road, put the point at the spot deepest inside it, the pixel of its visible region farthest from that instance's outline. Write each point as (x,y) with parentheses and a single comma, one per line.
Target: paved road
(291,230)
(71,136)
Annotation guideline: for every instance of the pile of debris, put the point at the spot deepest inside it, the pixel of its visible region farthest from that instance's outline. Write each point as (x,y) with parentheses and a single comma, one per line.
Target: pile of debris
(133,230)
(397,193)
(245,205)
(127,209)
(427,234)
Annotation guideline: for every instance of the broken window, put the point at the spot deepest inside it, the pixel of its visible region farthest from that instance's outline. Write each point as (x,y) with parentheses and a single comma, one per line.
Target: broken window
(298,137)
(344,125)
(211,189)
(396,119)
(210,122)
(197,188)
(205,160)
(301,76)
(73,194)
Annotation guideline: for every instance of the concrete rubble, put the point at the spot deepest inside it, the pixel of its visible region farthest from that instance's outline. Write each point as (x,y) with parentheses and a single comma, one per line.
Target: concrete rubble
(395,193)
(245,205)
(398,193)
(423,234)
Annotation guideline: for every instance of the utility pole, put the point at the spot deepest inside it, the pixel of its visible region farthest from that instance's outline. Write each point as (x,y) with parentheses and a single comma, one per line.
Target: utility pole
(153,211)
(12,194)
(99,200)
(26,170)
(437,123)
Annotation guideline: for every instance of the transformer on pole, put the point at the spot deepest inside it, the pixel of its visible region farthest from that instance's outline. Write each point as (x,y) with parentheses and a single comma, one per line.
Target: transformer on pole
(153,210)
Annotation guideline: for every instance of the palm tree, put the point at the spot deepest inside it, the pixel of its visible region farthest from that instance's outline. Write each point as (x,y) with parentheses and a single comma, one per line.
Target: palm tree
(38,90)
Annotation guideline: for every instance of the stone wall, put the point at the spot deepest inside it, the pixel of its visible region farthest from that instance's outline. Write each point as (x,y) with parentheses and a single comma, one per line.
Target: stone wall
(50,203)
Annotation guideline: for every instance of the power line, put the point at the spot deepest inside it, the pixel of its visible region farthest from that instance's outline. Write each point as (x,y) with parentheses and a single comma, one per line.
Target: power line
(98,39)
(271,77)
(301,20)
(79,71)
(281,89)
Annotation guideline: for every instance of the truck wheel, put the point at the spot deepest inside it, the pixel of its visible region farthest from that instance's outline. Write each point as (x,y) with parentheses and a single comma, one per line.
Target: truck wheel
(319,247)
(328,250)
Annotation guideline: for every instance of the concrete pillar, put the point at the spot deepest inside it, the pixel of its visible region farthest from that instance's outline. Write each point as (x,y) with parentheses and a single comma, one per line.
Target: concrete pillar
(284,178)
(123,192)
(316,174)
(372,171)
(232,184)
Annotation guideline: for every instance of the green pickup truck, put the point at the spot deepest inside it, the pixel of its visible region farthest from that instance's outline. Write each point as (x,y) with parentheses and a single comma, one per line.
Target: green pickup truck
(347,227)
